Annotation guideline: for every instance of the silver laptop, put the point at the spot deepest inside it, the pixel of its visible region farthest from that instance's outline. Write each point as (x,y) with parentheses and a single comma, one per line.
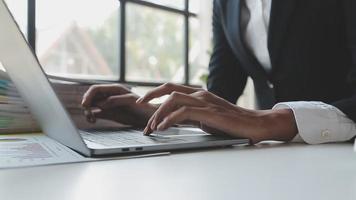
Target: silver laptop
(25,71)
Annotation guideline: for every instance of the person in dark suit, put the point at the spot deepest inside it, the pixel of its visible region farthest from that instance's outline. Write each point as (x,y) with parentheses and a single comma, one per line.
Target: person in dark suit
(301,56)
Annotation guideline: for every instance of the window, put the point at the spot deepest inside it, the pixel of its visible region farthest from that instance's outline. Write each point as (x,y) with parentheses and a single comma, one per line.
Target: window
(144,42)
(78,38)
(154,45)
(19,11)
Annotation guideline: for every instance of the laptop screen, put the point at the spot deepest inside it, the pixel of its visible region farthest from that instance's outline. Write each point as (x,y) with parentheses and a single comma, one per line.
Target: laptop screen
(30,80)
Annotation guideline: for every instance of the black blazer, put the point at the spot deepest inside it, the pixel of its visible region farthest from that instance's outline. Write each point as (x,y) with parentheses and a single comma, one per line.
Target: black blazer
(312,45)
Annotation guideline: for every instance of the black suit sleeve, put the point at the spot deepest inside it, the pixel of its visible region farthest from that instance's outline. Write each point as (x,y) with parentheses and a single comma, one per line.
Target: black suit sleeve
(348,106)
(226,78)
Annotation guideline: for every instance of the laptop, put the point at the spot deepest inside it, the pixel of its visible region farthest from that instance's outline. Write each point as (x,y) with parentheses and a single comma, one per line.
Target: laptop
(32,83)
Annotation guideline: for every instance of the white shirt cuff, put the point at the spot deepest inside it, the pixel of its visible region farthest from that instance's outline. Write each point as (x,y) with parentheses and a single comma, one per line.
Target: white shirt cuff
(318,122)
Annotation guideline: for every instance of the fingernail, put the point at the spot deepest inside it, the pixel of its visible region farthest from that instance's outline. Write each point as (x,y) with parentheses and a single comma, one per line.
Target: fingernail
(139,100)
(148,132)
(160,127)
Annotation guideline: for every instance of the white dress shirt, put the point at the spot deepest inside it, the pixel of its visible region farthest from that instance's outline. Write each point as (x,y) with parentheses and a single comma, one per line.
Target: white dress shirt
(317,122)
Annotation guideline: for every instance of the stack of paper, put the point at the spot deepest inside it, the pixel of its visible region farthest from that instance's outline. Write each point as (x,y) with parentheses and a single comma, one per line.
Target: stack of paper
(14,114)
(15,117)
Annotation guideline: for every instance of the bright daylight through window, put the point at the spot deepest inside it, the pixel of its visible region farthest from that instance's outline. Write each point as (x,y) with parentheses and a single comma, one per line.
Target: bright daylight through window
(159,40)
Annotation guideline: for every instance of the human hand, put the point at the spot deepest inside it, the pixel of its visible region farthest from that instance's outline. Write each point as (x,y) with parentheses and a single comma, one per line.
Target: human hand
(117,103)
(215,115)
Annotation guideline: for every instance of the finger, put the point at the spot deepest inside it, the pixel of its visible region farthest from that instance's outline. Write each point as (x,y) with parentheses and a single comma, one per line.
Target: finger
(213,99)
(205,95)
(148,130)
(218,122)
(216,100)
(165,89)
(182,114)
(117,100)
(96,91)
(175,101)
(102,114)
(89,116)
(110,114)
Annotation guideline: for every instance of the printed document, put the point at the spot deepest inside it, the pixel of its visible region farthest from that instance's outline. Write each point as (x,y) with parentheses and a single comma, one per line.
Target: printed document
(34,149)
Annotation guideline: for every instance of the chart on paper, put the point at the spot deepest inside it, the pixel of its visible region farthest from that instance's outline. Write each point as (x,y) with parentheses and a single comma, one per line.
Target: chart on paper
(31,150)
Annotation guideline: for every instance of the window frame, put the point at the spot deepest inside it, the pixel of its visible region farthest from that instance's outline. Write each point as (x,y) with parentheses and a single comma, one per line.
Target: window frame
(31,35)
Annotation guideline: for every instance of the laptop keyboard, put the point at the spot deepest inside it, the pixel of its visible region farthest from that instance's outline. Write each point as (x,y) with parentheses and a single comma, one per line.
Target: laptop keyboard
(125,138)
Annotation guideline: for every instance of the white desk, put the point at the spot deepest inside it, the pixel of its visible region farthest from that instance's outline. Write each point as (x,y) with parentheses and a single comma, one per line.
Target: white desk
(283,172)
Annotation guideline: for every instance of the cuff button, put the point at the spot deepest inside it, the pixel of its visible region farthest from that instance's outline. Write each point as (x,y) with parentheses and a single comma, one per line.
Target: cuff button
(325,133)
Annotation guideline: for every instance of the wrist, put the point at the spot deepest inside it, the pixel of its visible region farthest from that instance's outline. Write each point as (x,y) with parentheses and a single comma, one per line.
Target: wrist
(281,125)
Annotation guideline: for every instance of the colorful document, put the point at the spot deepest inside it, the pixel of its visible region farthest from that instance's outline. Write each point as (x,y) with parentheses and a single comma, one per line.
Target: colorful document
(34,149)
(29,150)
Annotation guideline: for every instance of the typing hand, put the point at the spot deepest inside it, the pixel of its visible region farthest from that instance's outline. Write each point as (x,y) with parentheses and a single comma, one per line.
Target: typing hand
(215,115)
(117,103)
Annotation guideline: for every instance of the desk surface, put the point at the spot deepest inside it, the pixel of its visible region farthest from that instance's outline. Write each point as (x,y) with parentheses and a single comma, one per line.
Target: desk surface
(287,171)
